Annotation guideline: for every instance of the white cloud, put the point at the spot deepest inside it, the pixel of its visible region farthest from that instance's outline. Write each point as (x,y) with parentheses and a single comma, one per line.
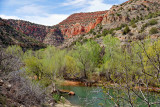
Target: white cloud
(122,0)
(31,9)
(88,5)
(21,2)
(76,3)
(49,19)
(9,17)
(96,5)
(34,13)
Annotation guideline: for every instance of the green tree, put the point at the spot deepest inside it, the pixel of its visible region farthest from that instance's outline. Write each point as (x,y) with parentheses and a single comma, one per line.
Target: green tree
(112,58)
(47,64)
(72,69)
(88,56)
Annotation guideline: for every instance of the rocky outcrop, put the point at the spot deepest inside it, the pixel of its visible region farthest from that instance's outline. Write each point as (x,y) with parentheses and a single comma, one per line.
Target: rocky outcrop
(80,23)
(125,12)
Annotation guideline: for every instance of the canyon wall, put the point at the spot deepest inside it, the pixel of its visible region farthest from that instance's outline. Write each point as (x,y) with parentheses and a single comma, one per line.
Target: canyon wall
(82,23)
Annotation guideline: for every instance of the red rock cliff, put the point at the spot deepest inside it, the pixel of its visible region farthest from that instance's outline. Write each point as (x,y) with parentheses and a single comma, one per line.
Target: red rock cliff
(81,23)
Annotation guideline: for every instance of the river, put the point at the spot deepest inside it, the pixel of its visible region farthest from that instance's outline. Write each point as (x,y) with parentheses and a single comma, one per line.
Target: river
(94,97)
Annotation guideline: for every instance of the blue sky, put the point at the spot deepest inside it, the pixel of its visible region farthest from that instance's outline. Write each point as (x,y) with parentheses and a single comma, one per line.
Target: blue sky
(50,12)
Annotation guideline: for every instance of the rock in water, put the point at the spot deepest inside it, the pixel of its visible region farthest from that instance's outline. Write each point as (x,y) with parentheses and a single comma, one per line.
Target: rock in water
(71,93)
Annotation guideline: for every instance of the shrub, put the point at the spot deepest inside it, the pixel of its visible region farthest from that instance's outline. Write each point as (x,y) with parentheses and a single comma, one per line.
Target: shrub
(10,58)
(26,90)
(98,36)
(105,32)
(56,97)
(126,30)
(100,28)
(118,14)
(152,22)
(153,15)
(143,27)
(94,33)
(133,21)
(91,31)
(153,30)
(123,25)
(134,26)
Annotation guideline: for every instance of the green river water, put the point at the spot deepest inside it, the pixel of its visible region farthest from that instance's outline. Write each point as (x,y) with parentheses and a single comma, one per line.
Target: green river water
(94,97)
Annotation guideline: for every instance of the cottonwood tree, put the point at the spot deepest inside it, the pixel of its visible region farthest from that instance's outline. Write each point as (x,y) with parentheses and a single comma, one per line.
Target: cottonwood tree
(88,56)
(138,67)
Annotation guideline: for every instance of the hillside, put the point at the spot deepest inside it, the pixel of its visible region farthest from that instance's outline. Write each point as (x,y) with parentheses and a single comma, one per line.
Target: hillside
(130,21)
(9,36)
(38,32)
(93,24)
(79,23)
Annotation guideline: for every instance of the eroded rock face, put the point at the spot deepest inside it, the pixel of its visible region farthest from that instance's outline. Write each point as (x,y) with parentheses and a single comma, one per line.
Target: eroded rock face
(81,23)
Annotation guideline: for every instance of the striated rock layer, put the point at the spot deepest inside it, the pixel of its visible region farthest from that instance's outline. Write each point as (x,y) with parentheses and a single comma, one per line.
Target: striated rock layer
(82,23)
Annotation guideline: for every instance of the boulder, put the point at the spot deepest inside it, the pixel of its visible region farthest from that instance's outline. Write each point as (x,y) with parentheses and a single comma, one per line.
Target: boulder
(71,93)
(8,86)
(1,82)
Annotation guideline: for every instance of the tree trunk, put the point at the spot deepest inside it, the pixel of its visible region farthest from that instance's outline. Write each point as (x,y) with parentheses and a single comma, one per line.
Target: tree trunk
(85,74)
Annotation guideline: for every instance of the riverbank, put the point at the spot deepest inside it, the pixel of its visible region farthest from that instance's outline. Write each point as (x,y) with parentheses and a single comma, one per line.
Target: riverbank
(100,83)
(64,103)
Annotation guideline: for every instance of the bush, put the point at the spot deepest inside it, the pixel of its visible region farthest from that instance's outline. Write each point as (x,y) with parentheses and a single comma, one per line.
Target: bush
(98,36)
(105,32)
(143,27)
(94,33)
(153,30)
(133,21)
(118,14)
(91,31)
(152,22)
(134,26)
(100,28)
(56,97)
(10,58)
(123,25)
(153,15)
(118,28)
(26,91)
(126,30)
